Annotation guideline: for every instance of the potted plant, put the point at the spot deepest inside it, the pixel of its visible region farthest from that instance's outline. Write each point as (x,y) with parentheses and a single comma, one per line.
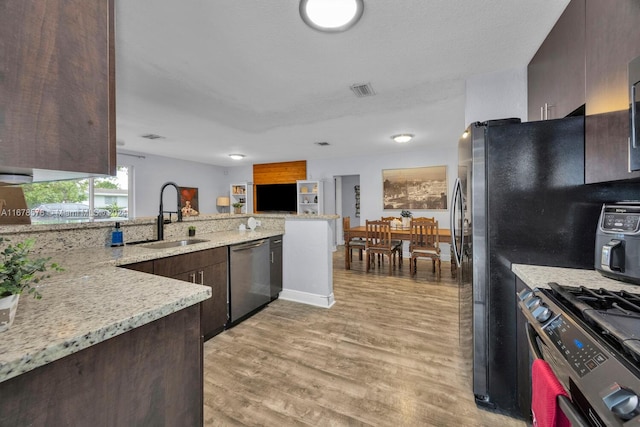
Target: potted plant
(18,273)
(192,230)
(237,207)
(406,218)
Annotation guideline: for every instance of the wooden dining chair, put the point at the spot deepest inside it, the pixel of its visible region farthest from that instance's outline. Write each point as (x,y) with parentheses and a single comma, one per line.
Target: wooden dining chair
(350,243)
(378,242)
(424,243)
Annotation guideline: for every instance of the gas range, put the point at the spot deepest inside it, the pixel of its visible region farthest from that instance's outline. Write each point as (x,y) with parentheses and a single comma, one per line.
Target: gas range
(591,340)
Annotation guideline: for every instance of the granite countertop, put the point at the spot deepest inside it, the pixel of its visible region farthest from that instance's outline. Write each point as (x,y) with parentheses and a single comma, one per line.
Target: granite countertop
(536,276)
(94,300)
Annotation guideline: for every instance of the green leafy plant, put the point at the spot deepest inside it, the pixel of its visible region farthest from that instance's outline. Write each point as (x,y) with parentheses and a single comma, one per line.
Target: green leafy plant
(192,228)
(18,272)
(237,205)
(406,214)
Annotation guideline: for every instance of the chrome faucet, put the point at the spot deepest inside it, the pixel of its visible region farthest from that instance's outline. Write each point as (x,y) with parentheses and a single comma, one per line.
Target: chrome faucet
(161,220)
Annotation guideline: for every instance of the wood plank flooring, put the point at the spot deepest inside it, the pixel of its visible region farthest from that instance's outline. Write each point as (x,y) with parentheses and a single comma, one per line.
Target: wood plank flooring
(386,354)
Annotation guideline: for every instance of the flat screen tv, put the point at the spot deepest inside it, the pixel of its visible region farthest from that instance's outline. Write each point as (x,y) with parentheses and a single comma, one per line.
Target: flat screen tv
(276,198)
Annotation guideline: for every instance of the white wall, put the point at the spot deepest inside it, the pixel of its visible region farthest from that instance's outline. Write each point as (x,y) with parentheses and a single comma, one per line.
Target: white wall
(496,95)
(349,198)
(369,168)
(151,172)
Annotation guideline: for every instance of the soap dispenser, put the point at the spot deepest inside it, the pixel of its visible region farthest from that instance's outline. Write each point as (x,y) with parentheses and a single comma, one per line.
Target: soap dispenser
(116,236)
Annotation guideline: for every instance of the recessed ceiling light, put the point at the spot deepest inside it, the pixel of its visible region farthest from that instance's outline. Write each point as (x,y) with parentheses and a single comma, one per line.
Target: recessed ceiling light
(237,156)
(331,15)
(402,138)
(322,143)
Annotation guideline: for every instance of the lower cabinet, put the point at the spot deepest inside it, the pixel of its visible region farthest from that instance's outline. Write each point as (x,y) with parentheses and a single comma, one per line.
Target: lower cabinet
(149,376)
(209,268)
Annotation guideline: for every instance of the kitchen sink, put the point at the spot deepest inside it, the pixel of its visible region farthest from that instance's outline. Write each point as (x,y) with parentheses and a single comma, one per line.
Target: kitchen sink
(173,244)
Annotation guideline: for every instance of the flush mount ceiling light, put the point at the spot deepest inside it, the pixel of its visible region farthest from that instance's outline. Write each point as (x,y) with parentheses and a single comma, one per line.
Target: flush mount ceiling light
(237,156)
(331,15)
(11,178)
(402,138)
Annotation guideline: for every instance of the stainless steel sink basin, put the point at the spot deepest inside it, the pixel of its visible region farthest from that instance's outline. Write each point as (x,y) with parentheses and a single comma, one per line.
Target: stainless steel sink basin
(173,244)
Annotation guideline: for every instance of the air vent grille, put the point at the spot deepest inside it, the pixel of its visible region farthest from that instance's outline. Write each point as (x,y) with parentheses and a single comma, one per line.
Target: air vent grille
(362,90)
(152,136)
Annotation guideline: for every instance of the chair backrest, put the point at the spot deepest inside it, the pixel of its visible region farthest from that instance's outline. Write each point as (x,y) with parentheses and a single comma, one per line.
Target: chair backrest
(424,234)
(424,218)
(346,225)
(378,235)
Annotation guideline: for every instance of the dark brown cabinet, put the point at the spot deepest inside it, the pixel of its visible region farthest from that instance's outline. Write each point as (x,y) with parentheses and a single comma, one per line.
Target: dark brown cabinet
(209,268)
(57,94)
(556,75)
(151,375)
(612,41)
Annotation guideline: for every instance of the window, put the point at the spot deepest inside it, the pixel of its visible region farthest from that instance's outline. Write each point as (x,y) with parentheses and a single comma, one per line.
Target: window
(80,200)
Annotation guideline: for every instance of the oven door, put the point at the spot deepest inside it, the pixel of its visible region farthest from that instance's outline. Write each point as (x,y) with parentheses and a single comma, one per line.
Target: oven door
(537,351)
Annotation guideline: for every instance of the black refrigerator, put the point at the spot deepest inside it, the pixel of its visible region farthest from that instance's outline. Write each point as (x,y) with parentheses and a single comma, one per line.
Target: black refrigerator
(520,197)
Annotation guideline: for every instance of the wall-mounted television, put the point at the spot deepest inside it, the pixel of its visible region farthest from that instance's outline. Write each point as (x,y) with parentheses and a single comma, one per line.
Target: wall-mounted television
(276,198)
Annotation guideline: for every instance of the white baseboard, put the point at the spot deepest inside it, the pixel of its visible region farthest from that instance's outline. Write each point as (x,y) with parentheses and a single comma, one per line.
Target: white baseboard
(324,301)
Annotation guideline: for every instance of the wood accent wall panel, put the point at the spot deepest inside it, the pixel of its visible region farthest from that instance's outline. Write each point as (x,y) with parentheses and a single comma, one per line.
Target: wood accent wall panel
(279,173)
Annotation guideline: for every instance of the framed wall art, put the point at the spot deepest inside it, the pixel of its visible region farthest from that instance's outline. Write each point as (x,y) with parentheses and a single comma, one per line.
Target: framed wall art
(189,201)
(415,188)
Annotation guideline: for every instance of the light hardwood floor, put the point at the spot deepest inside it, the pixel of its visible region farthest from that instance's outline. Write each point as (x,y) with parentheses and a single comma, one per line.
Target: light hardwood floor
(386,354)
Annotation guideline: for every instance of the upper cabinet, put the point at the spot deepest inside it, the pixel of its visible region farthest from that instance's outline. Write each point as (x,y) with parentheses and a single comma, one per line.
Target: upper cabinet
(556,75)
(584,60)
(57,94)
(612,41)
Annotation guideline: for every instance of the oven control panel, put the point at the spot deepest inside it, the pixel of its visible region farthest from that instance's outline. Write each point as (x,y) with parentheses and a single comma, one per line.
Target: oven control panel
(575,346)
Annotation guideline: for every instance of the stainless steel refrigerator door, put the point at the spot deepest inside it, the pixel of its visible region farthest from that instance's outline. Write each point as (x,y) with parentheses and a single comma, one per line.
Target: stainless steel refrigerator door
(478,208)
(249,284)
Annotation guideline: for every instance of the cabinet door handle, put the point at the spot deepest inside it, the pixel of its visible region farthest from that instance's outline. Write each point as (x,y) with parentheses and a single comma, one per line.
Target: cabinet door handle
(201,273)
(192,276)
(541,113)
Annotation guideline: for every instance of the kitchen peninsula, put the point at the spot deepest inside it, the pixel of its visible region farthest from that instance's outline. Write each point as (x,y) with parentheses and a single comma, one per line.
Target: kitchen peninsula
(108,343)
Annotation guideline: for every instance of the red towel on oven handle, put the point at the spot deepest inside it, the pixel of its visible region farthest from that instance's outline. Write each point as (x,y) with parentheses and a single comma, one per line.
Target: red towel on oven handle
(544,400)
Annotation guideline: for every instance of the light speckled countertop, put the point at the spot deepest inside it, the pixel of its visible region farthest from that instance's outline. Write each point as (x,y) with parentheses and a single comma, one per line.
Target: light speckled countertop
(94,300)
(536,276)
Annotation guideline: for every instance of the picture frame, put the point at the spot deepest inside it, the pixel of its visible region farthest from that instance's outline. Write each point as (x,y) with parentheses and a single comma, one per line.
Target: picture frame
(421,188)
(189,201)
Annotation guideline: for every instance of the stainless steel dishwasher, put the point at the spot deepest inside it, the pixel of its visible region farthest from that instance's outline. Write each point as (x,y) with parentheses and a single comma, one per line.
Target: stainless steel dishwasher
(249,278)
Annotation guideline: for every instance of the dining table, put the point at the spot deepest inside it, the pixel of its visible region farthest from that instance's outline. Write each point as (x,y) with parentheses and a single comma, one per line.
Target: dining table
(444,236)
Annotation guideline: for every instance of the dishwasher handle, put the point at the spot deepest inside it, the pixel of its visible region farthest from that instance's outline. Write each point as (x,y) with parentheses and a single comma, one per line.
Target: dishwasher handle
(247,246)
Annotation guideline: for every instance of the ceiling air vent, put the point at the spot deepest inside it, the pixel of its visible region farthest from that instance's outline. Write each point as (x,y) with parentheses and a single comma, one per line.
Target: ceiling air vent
(152,136)
(322,143)
(362,90)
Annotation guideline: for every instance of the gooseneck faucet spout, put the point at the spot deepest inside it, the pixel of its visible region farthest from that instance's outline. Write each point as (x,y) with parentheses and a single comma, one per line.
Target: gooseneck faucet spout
(178,211)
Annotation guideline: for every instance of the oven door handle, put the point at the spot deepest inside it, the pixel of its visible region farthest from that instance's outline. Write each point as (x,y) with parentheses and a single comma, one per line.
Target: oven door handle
(565,404)
(533,345)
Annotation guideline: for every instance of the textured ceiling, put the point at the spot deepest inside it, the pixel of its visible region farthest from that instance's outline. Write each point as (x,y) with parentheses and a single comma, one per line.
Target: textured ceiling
(216,77)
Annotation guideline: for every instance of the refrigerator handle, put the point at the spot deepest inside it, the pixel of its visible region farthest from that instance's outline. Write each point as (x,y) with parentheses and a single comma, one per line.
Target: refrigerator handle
(456,195)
